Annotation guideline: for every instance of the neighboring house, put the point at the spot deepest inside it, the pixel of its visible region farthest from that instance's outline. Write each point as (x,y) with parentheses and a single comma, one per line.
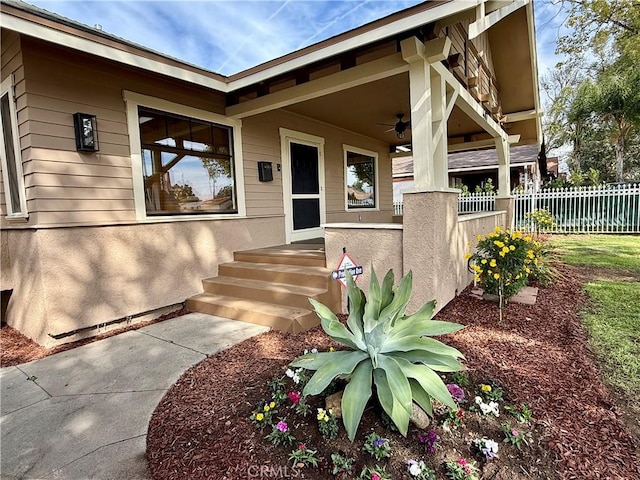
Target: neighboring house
(473,168)
(129,176)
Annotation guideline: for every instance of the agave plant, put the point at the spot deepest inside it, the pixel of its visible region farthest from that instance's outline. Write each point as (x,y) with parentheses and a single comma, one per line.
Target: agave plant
(388,349)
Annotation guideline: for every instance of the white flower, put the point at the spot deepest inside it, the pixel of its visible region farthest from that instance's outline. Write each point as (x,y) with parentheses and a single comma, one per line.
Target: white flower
(289,373)
(491,445)
(414,469)
(305,351)
(314,350)
(479,400)
(295,378)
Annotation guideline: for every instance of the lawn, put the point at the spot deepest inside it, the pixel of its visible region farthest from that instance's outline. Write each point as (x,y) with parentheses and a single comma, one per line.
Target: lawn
(612,317)
(610,251)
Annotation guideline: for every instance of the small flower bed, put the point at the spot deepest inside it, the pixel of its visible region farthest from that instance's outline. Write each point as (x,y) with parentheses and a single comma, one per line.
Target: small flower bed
(374,455)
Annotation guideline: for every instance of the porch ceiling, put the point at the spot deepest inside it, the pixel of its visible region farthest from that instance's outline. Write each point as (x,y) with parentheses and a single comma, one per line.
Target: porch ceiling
(362,109)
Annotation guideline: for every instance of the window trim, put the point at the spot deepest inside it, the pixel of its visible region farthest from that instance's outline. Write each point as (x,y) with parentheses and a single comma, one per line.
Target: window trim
(6,87)
(133,101)
(361,151)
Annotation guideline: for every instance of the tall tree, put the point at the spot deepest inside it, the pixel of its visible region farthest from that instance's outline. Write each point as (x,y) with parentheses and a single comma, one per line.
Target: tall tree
(613,98)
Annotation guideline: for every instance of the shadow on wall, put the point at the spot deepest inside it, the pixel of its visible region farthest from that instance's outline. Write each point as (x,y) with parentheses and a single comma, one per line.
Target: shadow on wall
(92,275)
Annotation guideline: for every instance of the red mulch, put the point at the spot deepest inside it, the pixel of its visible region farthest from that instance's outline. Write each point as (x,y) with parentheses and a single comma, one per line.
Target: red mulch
(539,354)
(15,348)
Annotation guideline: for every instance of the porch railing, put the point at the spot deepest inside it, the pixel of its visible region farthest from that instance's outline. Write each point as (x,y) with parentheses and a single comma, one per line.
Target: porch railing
(603,209)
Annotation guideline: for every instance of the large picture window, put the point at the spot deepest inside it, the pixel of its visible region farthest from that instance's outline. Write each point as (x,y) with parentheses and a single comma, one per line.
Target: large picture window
(187,164)
(360,175)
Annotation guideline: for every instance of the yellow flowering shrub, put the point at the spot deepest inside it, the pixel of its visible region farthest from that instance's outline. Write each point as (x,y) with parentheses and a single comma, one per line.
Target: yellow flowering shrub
(503,261)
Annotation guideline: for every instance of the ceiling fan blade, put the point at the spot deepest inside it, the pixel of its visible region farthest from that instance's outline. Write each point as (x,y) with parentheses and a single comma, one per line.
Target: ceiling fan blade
(386,124)
(390,129)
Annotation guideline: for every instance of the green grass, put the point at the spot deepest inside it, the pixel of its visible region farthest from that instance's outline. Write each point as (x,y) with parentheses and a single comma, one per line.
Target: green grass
(613,321)
(612,251)
(613,318)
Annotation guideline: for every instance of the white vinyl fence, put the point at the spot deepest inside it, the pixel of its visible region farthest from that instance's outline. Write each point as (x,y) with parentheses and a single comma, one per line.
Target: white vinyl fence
(602,209)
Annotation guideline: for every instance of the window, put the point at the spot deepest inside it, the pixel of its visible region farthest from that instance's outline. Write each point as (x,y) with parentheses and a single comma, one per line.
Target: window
(360,175)
(11,155)
(187,164)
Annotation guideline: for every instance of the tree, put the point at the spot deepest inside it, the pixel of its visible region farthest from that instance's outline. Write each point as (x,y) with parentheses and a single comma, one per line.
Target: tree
(613,98)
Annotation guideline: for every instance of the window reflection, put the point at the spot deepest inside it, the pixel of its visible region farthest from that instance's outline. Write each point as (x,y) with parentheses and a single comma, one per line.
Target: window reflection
(361,181)
(187,165)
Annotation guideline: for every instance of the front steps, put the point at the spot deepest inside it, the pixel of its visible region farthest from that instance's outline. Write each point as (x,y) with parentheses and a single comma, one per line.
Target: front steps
(271,286)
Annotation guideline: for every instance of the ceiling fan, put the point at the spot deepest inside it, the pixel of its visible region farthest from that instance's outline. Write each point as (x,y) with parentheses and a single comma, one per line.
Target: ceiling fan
(400,126)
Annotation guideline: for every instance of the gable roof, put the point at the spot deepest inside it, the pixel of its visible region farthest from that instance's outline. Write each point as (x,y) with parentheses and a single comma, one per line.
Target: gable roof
(40,23)
(473,159)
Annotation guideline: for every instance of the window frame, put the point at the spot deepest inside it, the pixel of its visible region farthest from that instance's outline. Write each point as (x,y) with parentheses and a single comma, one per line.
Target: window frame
(7,88)
(133,101)
(369,153)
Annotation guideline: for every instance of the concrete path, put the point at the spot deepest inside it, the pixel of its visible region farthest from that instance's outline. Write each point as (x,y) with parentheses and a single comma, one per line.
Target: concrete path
(83,413)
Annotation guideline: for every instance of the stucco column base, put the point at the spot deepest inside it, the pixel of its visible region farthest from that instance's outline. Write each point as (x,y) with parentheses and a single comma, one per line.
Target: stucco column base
(429,246)
(507,204)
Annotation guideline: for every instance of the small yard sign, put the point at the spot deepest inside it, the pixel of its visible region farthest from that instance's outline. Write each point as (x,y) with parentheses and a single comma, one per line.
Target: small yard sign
(346,263)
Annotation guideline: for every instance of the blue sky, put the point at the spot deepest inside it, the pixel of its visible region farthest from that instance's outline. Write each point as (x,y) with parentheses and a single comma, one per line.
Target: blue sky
(228,36)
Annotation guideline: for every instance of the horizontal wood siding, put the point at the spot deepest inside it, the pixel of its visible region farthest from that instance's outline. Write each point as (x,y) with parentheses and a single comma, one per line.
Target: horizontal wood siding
(261,141)
(63,185)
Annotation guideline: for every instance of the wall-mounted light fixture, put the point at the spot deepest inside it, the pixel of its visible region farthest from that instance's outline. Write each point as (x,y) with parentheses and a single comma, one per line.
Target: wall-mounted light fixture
(86,132)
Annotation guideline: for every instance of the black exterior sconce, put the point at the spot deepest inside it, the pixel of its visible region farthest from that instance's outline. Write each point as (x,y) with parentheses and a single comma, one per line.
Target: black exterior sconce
(86,132)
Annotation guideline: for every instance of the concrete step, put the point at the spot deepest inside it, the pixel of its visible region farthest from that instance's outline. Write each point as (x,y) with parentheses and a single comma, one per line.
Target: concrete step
(285,319)
(278,293)
(278,273)
(286,256)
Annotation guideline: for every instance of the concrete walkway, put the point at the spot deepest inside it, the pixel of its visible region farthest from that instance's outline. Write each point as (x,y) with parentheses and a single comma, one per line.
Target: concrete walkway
(84,413)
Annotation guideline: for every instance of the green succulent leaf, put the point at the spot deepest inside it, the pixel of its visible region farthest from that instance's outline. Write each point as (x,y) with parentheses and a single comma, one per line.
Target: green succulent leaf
(439,363)
(372,307)
(423,313)
(424,328)
(313,361)
(397,307)
(336,330)
(391,405)
(387,289)
(397,381)
(355,397)
(407,343)
(421,397)
(356,309)
(340,365)
(428,380)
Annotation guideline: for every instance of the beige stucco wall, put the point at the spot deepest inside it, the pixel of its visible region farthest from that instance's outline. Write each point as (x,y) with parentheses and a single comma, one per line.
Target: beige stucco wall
(435,243)
(70,278)
(6,277)
(376,245)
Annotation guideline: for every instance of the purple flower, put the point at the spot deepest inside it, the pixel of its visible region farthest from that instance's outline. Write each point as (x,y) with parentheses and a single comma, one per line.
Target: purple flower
(514,432)
(488,454)
(282,426)
(379,442)
(422,437)
(456,392)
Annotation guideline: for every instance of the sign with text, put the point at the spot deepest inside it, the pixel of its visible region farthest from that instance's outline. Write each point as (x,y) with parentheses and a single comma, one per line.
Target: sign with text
(346,264)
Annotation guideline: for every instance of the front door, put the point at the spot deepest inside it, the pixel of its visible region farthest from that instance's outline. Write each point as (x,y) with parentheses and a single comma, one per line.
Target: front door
(303,185)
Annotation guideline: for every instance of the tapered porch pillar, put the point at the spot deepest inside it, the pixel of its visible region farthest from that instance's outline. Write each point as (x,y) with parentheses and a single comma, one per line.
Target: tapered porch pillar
(505,201)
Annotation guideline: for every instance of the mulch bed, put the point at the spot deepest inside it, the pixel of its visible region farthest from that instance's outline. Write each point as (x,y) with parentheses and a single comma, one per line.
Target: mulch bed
(539,355)
(15,348)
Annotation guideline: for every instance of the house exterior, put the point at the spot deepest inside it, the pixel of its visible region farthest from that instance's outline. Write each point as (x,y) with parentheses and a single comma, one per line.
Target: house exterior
(120,213)
(472,168)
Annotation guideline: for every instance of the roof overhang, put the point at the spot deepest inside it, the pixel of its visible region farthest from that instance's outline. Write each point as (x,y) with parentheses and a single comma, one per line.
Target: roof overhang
(77,36)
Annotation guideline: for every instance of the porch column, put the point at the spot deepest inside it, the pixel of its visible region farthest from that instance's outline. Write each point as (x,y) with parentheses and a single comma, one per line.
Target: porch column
(504,200)
(429,112)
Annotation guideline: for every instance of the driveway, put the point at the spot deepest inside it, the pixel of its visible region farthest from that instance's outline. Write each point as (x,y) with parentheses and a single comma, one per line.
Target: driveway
(84,413)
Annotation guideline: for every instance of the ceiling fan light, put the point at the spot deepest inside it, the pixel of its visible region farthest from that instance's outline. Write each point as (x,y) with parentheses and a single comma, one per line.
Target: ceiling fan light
(400,134)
